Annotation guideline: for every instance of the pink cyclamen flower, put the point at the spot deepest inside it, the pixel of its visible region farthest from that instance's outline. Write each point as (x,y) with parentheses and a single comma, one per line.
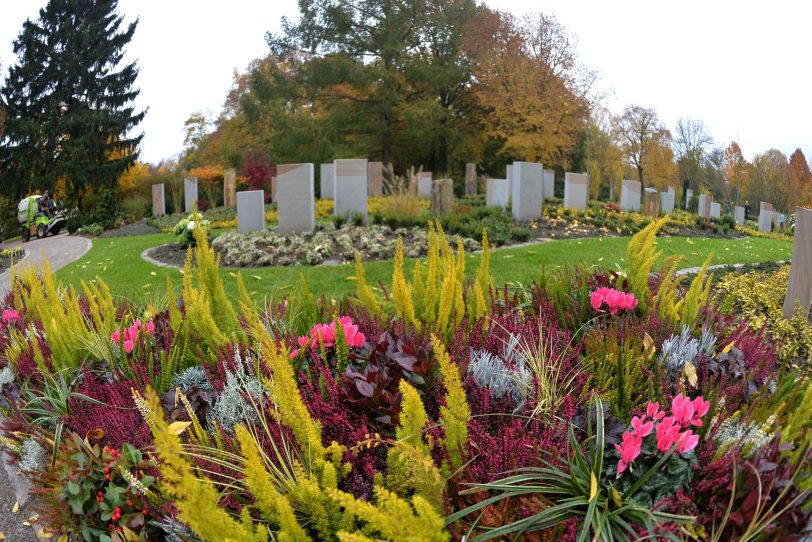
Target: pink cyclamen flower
(667,433)
(682,409)
(687,442)
(614,299)
(355,339)
(597,297)
(701,408)
(653,411)
(294,353)
(629,449)
(642,428)
(150,327)
(10,316)
(116,335)
(129,345)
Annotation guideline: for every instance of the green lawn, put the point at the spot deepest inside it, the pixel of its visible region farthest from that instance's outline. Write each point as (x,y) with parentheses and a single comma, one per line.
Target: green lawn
(118,262)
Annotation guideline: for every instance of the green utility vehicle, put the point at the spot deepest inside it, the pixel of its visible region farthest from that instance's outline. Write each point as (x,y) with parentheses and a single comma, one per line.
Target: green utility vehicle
(39,221)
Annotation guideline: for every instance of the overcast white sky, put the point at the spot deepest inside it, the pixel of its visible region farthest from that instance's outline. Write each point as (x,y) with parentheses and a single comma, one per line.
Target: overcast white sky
(740,67)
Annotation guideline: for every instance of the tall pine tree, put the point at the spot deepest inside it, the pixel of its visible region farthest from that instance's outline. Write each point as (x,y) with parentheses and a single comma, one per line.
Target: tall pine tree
(68,104)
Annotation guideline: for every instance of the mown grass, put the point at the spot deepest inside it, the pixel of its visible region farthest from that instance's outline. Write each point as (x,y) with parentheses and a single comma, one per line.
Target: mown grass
(118,262)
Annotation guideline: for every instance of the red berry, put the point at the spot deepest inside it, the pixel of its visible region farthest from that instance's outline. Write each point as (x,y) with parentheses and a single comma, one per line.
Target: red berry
(106,470)
(107,477)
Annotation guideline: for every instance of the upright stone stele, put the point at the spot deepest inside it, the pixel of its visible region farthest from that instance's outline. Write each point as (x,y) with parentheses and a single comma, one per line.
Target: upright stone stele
(651,202)
(667,203)
(274,184)
(375,178)
(326,181)
(424,185)
(189,193)
(526,200)
(765,217)
(799,290)
(251,210)
(548,184)
(351,186)
(295,190)
(716,209)
(230,188)
(470,179)
(442,196)
(576,190)
(738,214)
(689,195)
(704,207)
(158,200)
(630,195)
(497,193)
(671,190)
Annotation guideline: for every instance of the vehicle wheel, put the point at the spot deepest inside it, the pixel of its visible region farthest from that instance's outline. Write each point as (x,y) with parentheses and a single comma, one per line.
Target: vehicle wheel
(26,235)
(42,231)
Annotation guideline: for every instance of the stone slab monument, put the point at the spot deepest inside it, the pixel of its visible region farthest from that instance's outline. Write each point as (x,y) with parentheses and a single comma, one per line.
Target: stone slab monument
(326,181)
(667,202)
(273,188)
(375,178)
(158,200)
(526,194)
(738,214)
(351,184)
(189,193)
(251,210)
(765,217)
(230,188)
(716,210)
(704,207)
(651,202)
(576,190)
(799,290)
(470,179)
(424,185)
(295,190)
(548,184)
(630,195)
(497,193)
(689,195)
(442,196)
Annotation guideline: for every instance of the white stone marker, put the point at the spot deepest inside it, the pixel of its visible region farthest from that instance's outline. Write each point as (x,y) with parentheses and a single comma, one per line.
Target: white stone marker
(497,193)
(470,179)
(799,290)
(651,202)
(704,208)
(667,202)
(230,187)
(548,184)
(689,195)
(738,214)
(158,200)
(715,210)
(424,185)
(765,217)
(350,188)
(327,181)
(295,193)
(631,193)
(576,190)
(375,178)
(671,190)
(251,210)
(189,193)
(526,198)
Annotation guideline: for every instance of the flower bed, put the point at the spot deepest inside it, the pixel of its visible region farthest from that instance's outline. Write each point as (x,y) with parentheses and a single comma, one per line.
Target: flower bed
(8,256)
(594,402)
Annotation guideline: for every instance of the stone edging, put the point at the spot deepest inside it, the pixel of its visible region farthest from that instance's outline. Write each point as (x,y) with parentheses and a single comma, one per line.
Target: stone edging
(731,266)
(26,254)
(147,258)
(19,483)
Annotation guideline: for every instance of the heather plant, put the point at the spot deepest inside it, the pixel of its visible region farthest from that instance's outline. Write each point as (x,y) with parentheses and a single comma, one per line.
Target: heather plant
(681,351)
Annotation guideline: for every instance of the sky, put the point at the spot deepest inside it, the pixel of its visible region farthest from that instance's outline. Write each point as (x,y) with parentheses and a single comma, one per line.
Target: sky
(740,67)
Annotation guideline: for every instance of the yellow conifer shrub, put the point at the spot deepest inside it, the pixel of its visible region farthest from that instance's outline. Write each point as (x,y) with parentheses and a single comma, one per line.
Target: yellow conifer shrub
(454,415)
(641,256)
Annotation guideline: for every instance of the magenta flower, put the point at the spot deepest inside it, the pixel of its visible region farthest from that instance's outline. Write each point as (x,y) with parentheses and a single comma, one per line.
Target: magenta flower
(129,344)
(667,434)
(641,428)
(150,327)
(687,442)
(653,411)
(10,316)
(615,300)
(701,408)
(629,449)
(682,409)
(116,335)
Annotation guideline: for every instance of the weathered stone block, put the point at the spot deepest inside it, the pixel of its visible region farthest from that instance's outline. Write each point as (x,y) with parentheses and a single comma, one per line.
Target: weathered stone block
(715,210)
(576,190)
(158,200)
(326,180)
(424,185)
(470,179)
(704,207)
(497,193)
(251,210)
(739,215)
(375,178)
(351,186)
(230,188)
(630,195)
(799,290)
(295,189)
(189,193)
(651,202)
(689,195)
(548,184)
(667,202)
(526,200)
(442,196)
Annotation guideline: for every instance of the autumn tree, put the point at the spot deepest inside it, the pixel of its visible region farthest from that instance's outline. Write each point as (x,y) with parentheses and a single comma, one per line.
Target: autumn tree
(639,131)
(736,169)
(800,179)
(769,180)
(692,142)
(604,155)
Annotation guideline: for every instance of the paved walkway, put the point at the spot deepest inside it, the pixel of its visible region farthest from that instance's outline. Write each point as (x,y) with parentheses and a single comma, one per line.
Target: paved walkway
(60,250)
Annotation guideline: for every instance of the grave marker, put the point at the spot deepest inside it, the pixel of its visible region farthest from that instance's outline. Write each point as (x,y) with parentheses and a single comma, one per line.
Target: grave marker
(738,214)
(375,178)
(470,179)
(497,193)
(765,217)
(651,202)
(704,208)
(350,192)
(442,196)
(526,191)
(327,181)
(251,210)
(576,190)
(296,193)
(630,195)
(799,289)
(158,200)
(667,202)
(424,185)
(230,188)
(548,184)
(189,193)
(715,210)
(689,195)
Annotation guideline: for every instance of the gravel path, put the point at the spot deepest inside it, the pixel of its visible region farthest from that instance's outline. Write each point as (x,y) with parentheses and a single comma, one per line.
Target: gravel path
(60,250)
